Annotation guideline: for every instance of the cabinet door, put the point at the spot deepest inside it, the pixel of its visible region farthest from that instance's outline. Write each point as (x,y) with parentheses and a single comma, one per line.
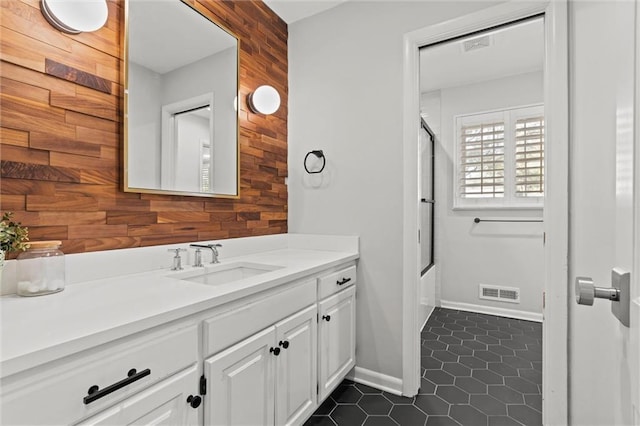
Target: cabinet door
(337,339)
(162,404)
(296,367)
(240,383)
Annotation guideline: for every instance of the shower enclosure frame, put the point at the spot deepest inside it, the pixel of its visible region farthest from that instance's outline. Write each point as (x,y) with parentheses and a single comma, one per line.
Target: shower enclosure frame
(432,142)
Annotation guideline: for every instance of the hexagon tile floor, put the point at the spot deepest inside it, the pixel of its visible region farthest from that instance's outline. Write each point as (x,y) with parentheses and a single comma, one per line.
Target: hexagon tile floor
(478,370)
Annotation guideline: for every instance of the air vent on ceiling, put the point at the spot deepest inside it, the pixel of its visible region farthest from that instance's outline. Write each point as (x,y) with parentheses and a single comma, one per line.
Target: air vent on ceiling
(502,294)
(476,43)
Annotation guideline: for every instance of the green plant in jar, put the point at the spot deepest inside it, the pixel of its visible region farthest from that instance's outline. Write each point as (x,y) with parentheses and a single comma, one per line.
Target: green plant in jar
(13,236)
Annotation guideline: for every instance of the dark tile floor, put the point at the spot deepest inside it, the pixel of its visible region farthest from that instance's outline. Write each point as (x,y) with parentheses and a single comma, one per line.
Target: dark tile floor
(477,370)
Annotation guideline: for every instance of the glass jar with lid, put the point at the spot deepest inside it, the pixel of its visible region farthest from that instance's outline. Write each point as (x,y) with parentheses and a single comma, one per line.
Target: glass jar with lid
(41,269)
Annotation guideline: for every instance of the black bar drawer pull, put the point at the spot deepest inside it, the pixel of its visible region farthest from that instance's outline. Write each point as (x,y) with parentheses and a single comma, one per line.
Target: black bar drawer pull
(133,376)
(344,281)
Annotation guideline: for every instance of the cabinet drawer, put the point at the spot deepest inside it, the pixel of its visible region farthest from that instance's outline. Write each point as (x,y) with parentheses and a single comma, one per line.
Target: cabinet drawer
(242,321)
(336,281)
(56,393)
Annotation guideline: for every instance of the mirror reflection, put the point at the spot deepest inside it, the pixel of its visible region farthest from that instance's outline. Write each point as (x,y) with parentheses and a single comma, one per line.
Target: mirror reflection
(181,121)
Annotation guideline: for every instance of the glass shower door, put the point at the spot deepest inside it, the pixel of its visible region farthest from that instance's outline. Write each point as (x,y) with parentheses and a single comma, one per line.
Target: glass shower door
(426,197)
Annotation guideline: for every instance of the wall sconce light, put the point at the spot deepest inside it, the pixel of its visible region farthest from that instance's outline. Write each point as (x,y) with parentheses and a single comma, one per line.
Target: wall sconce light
(264,100)
(75,16)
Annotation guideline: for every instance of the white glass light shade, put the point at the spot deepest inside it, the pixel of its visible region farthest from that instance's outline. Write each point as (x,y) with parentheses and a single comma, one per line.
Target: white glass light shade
(76,16)
(265,100)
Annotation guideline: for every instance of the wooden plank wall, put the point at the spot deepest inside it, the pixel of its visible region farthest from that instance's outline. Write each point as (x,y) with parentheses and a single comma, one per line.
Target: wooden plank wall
(60,134)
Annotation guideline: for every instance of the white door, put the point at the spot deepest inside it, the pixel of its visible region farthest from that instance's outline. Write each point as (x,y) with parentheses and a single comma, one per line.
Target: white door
(296,367)
(240,383)
(163,404)
(337,339)
(604,361)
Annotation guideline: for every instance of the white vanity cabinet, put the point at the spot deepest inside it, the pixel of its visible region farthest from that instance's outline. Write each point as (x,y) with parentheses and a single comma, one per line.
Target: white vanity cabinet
(264,358)
(162,404)
(69,390)
(296,367)
(240,383)
(274,375)
(336,329)
(269,377)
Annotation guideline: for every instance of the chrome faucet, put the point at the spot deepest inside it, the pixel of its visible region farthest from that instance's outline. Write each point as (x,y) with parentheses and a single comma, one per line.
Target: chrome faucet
(212,247)
(177,260)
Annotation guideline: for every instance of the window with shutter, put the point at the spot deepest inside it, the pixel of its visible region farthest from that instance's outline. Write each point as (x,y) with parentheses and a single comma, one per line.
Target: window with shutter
(482,161)
(529,157)
(500,159)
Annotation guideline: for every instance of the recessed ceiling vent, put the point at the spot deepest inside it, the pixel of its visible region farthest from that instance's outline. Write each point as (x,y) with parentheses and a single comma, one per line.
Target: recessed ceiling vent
(501,294)
(476,43)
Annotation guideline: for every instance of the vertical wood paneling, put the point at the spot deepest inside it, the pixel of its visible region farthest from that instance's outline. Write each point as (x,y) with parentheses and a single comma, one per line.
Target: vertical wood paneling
(60,136)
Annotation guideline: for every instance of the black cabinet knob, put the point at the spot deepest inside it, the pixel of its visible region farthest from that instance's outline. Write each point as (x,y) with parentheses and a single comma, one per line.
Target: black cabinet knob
(326,317)
(275,351)
(284,343)
(194,401)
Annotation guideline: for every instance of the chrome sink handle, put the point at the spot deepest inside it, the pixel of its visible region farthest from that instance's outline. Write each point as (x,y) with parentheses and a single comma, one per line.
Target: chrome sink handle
(177,260)
(197,262)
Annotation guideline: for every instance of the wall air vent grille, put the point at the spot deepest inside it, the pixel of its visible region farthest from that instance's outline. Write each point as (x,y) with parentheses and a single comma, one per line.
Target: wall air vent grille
(501,294)
(476,43)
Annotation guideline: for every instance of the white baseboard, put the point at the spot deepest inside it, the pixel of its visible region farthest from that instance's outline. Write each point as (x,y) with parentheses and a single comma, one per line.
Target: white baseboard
(376,380)
(501,312)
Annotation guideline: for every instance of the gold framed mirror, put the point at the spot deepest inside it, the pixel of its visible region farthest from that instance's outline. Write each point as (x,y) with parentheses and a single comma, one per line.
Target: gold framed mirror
(180,101)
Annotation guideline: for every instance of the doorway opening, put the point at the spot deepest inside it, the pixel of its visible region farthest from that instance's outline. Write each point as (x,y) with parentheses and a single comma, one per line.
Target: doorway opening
(484,95)
(488,193)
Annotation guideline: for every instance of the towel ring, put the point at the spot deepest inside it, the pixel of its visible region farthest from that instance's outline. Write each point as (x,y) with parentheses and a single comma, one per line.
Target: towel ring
(319,154)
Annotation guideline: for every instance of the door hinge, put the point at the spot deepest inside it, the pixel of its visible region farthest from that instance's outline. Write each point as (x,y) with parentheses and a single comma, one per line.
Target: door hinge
(203,385)
(418,236)
(544,238)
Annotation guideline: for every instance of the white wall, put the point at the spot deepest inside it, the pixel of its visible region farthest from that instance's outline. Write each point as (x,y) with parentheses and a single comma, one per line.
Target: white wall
(468,254)
(144,127)
(345,97)
(430,111)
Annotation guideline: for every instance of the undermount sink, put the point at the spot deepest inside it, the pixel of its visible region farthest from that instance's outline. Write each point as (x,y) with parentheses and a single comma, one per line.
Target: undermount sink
(224,273)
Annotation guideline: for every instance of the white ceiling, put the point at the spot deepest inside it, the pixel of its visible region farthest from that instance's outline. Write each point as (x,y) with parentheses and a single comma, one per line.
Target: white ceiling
(159,42)
(294,10)
(516,49)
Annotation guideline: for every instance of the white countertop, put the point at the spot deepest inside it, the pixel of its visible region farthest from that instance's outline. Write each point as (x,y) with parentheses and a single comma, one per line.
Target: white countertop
(36,330)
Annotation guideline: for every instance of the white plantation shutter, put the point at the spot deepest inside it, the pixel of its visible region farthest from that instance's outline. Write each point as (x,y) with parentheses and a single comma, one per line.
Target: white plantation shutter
(529,157)
(500,159)
(482,161)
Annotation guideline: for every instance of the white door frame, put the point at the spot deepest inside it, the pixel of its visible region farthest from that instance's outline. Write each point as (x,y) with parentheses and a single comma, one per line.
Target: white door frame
(556,217)
(635,289)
